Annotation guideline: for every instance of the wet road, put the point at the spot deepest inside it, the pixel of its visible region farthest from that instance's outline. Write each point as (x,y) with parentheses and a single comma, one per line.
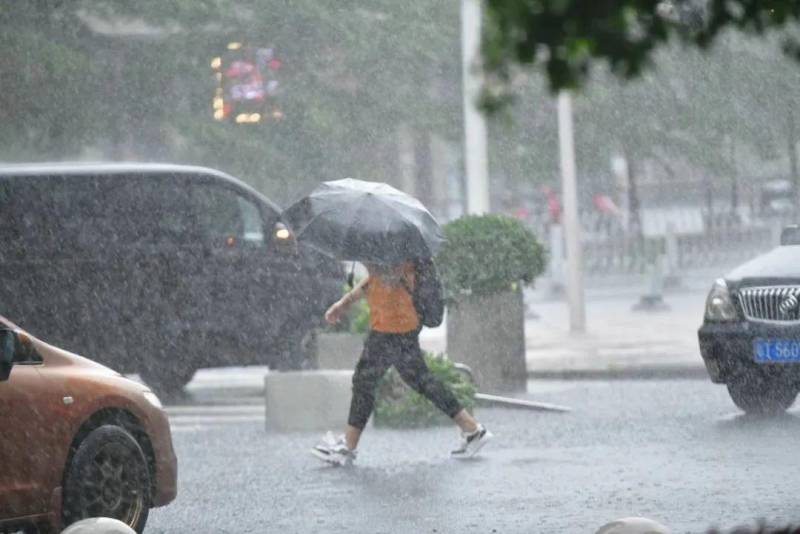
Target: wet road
(675,451)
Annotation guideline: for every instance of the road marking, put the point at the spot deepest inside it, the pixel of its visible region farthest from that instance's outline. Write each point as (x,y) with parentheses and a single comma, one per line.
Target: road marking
(197,418)
(239,409)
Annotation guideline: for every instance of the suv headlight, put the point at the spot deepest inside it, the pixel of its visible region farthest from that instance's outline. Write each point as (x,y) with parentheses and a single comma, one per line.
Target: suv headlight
(719,304)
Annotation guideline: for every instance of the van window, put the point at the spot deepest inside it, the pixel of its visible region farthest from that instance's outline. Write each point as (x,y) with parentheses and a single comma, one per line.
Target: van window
(222,213)
(11,223)
(50,216)
(251,217)
(150,210)
(81,216)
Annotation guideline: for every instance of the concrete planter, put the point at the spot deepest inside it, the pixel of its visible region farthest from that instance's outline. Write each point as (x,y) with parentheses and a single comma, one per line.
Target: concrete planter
(339,350)
(298,401)
(487,333)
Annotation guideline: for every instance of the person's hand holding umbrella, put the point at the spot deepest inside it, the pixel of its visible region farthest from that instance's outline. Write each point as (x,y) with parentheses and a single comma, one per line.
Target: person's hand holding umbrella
(339,308)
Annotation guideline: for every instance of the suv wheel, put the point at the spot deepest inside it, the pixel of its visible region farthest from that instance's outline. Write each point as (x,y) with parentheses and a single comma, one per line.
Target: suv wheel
(108,477)
(761,395)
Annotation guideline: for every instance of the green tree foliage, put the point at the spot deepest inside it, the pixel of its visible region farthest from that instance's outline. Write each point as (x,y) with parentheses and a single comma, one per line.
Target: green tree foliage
(39,77)
(565,37)
(352,73)
(112,79)
(69,84)
(705,109)
(131,80)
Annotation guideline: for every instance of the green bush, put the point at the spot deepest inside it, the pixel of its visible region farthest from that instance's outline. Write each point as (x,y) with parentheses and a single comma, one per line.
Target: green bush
(399,406)
(486,254)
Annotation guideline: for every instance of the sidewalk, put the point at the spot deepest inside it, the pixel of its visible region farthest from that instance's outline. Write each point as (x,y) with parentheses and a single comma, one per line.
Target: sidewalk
(619,342)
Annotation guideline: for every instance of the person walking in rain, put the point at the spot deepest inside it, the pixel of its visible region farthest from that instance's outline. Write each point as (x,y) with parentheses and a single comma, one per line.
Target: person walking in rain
(393,340)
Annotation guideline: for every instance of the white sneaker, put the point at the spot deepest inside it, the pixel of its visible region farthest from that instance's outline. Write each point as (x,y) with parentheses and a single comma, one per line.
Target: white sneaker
(472,442)
(334,451)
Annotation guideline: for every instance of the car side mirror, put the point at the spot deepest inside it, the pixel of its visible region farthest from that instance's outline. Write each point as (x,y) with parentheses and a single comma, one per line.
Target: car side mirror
(790,235)
(15,347)
(8,351)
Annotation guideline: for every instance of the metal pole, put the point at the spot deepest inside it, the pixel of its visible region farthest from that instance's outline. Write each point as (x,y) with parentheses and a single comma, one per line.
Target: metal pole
(475,154)
(572,230)
(793,154)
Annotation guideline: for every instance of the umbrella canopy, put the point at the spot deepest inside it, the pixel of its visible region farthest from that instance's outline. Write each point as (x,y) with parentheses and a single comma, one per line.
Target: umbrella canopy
(365,221)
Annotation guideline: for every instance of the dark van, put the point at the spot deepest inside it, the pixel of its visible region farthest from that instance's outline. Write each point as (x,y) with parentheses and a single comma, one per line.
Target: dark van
(157,269)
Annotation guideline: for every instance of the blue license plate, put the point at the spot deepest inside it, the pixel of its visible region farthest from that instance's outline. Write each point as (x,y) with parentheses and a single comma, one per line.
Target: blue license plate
(776,350)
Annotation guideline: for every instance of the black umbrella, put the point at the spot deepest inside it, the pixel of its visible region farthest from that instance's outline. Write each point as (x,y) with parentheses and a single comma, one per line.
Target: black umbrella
(365,221)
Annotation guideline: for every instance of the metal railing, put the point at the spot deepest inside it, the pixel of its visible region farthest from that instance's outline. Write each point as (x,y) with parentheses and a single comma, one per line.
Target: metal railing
(609,249)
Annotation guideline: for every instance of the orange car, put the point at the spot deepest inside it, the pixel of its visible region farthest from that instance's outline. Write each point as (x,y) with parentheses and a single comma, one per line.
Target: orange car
(77,440)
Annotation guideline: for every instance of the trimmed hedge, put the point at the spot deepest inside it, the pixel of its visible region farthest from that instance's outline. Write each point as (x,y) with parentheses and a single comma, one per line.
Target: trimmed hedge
(487,254)
(399,406)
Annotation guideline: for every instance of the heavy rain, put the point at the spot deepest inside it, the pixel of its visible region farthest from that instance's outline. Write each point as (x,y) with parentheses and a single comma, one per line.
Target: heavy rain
(513,266)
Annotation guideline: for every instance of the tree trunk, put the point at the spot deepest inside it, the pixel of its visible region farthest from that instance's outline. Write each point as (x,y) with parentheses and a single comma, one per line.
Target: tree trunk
(709,203)
(792,140)
(634,205)
(423,183)
(734,181)
(406,160)
(118,131)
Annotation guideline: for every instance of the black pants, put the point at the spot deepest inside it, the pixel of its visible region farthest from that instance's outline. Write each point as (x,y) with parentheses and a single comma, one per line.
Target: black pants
(381,351)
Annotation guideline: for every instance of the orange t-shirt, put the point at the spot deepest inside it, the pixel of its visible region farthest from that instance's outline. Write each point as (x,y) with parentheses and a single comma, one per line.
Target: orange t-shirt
(391,307)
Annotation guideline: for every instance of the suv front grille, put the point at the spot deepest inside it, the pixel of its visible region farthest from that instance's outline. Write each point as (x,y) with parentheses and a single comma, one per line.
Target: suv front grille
(778,304)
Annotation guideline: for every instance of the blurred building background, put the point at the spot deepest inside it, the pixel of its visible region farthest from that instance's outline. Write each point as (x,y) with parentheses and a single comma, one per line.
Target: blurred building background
(701,144)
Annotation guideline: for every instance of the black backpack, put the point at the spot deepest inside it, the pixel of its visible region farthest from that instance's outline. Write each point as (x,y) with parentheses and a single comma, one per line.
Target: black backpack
(427,295)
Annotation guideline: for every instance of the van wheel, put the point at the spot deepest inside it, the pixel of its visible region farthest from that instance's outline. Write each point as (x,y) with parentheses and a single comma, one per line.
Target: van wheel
(168,380)
(762,396)
(108,477)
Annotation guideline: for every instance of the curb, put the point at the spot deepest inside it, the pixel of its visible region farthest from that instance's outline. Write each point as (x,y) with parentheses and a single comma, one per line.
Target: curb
(643,372)
(484,399)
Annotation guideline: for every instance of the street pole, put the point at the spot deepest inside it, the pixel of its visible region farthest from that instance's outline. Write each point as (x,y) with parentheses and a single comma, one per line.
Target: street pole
(475,154)
(795,176)
(572,230)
